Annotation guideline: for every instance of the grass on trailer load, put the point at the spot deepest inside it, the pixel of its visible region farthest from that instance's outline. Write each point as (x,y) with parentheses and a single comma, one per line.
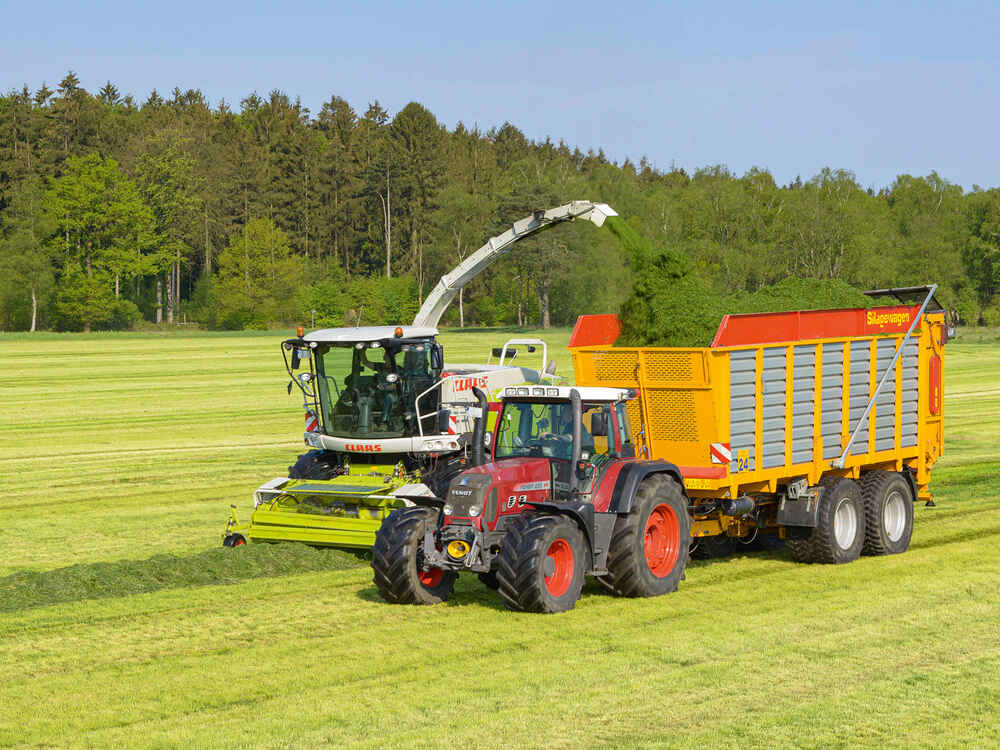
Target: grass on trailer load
(123,624)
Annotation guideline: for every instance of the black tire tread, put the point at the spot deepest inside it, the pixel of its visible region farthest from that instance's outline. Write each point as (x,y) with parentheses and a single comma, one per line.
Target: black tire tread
(520,582)
(822,545)
(391,559)
(314,465)
(625,576)
(874,485)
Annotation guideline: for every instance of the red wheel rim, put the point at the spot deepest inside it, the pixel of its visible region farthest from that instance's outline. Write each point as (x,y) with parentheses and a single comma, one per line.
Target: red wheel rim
(240,542)
(431,578)
(561,555)
(662,541)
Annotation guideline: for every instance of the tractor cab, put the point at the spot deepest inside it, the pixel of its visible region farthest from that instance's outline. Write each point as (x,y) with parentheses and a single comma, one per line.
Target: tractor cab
(579,431)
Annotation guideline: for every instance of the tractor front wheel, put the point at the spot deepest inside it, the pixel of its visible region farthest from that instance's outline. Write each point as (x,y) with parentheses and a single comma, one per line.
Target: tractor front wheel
(650,546)
(397,560)
(542,564)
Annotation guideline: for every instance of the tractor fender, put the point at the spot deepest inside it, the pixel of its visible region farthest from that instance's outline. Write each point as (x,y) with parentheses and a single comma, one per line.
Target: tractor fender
(629,478)
(581,513)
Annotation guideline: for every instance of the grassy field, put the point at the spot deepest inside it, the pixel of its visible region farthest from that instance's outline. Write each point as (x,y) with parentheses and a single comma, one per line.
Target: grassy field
(122,623)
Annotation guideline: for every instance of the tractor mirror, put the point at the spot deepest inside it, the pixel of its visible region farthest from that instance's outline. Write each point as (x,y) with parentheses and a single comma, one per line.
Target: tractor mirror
(599,424)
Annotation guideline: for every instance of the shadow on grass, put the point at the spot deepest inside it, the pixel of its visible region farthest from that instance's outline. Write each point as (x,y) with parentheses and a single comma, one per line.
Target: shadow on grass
(27,588)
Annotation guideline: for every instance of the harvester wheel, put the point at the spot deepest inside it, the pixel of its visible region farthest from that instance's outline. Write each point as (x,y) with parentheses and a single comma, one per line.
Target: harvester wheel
(314,465)
(888,513)
(397,560)
(651,545)
(234,540)
(840,527)
(542,564)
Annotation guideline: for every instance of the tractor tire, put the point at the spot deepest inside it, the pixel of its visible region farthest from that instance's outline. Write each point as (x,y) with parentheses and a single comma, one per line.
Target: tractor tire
(650,546)
(315,465)
(234,540)
(397,560)
(840,527)
(542,564)
(888,502)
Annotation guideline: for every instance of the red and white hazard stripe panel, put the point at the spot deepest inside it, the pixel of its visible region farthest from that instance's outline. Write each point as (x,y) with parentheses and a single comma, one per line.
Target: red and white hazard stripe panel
(312,424)
(452,425)
(721,453)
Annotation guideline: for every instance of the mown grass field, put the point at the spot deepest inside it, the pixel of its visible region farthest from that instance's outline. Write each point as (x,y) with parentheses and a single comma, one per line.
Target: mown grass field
(123,624)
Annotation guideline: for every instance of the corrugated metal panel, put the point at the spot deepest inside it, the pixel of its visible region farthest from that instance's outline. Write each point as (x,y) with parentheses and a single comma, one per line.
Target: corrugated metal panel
(910,365)
(742,404)
(860,390)
(773,383)
(833,401)
(803,403)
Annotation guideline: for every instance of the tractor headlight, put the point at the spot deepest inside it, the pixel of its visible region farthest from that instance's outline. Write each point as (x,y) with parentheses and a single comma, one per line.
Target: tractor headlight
(458,549)
(475,510)
(447,510)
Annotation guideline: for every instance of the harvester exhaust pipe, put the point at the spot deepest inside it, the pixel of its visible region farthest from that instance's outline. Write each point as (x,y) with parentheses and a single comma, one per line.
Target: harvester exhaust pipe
(575,405)
(479,431)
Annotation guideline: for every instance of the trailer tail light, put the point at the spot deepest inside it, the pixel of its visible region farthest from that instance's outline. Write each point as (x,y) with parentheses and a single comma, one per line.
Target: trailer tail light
(934,392)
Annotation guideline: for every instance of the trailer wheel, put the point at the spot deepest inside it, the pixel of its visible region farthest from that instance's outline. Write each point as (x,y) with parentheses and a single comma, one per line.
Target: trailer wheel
(397,559)
(650,546)
(840,529)
(888,513)
(234,540)
(314,465)
(542,564)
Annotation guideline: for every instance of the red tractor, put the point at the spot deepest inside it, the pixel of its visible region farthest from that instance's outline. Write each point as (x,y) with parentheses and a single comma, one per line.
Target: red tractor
(561,495)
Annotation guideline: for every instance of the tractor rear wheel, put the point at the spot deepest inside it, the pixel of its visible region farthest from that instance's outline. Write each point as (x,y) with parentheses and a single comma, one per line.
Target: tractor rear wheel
(315,465)
(888,513)
(542,564)
(651,545)
(840,525)
(397,559)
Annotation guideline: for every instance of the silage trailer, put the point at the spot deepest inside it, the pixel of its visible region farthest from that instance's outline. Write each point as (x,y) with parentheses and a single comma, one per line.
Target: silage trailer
(817,427)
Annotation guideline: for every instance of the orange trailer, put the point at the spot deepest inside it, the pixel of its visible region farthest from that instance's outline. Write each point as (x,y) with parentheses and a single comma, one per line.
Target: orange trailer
(782,407)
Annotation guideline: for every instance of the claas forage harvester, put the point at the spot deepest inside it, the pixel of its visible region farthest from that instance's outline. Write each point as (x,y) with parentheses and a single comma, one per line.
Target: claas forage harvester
(816,427)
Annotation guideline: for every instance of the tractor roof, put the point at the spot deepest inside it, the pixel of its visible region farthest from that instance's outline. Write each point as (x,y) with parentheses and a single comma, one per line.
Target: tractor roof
(367,333)
(561,393)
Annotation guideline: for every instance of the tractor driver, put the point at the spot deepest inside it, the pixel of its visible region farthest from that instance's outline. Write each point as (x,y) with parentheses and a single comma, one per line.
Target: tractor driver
(562,431)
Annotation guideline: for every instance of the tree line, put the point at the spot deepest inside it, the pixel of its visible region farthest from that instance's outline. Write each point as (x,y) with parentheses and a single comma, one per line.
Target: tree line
(115,212)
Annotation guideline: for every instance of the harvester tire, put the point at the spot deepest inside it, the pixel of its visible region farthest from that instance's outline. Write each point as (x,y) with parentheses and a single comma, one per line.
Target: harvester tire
(650,546)
(314,465)
(397,559)
(542,564)
(840,526)
(234,540)
(888,513)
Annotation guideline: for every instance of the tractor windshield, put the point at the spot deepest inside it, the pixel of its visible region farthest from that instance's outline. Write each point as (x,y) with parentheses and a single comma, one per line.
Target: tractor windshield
(368,389)
(539,428)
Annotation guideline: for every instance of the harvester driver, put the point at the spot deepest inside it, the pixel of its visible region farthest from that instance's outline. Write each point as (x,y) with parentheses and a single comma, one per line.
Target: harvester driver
(386,385)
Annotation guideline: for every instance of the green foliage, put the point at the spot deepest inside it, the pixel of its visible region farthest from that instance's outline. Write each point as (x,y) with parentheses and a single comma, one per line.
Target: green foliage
(258,277)
(143,197)
(360,300)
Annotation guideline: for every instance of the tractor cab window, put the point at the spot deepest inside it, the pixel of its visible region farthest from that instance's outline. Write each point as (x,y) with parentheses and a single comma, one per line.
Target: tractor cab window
(546,429)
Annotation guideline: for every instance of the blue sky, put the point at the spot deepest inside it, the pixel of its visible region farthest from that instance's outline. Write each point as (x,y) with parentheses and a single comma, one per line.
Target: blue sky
(876,88)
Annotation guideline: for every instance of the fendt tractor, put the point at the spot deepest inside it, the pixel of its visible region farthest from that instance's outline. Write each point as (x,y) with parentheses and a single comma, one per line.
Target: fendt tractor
(386,418)
(816,427)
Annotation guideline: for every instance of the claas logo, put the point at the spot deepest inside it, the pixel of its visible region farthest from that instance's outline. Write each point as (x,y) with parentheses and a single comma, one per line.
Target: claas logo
(364,447)
(467,384)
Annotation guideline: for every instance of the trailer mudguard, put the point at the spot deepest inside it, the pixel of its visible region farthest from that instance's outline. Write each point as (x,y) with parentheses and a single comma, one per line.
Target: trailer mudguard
(629,478)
